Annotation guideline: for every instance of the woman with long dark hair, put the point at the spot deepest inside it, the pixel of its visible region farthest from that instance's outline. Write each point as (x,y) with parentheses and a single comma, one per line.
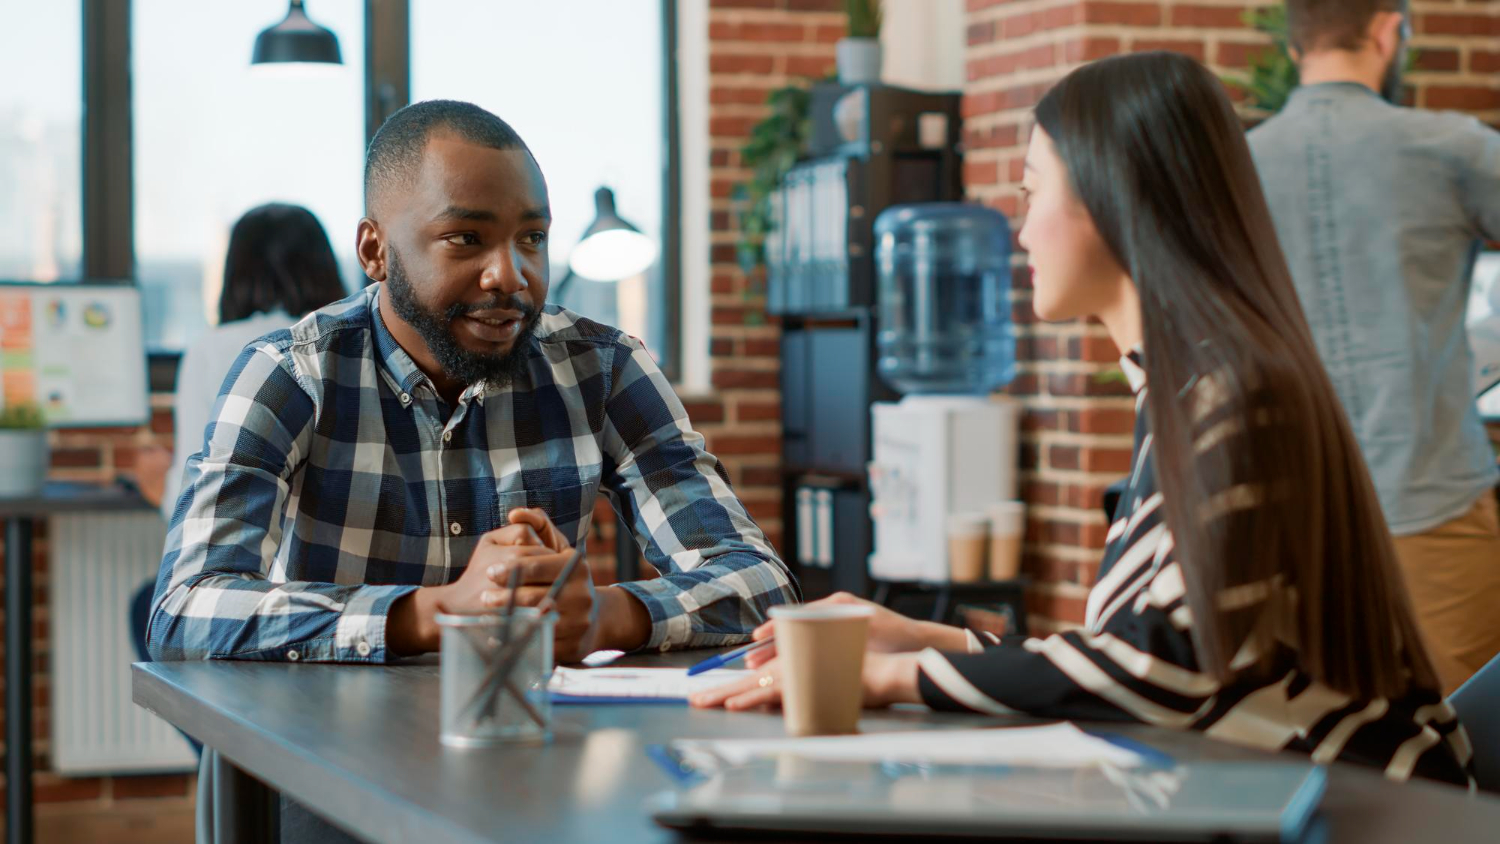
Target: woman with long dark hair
(1249,586)
(278,267)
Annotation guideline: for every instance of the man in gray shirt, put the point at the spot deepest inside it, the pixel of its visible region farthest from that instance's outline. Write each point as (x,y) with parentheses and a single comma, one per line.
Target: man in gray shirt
(1381,211)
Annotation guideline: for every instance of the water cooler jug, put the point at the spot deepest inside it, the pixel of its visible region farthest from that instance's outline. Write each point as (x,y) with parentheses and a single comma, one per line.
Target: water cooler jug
(945,340)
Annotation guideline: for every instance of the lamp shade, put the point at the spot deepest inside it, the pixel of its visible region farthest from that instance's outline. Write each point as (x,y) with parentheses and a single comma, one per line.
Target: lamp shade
(296,40)
(611,248)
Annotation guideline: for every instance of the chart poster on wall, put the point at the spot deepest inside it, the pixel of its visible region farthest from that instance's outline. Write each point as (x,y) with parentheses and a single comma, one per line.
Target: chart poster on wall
(75,351)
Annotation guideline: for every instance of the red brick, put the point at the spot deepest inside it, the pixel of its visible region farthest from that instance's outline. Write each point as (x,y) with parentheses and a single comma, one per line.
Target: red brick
(1026,384)
(1237,54)
(77,458)
(1095,535)
(1126,14)
(1106,460)
(1196,49)
(829,33)
(1043,420)
(744,4)
(1063,457)
(134,788)
(727,379)
(703,412)
(727,315)
(815,5)
(718,158)
(1042,492)
(723,253)
(1104,420)
(734,126)
(161,422)
(1437,59)
(1463,97)
(723,283)
(762,347)
(981,172)
(757,411)
(981,33)
(813,67)
(1484,61)
(723,444)
(1048,605)
(778,33)
(762,509)
(1208,17)
(737,95)
(1093,349)
(995,137)
(720,347)
(1457,24)
(1090,49)
(51,788)
(760,476)
(740,63)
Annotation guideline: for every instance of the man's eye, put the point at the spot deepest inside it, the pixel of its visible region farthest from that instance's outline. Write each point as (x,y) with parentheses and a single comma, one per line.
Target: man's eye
(465,239)
(535,238)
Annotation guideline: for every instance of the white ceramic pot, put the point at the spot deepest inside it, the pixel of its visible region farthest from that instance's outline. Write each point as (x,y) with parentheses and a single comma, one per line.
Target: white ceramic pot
(23,462)
(859,61)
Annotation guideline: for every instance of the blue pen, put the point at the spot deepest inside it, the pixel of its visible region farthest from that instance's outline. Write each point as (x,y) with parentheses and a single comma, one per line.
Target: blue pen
(724,659)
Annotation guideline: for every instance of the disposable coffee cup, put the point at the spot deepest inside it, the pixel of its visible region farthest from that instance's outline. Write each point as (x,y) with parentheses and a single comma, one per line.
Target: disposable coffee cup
(1007,531)
(822,655)
(968,538)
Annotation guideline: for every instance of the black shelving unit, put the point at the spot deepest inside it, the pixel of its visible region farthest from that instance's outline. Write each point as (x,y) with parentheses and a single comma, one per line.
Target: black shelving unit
(896,146)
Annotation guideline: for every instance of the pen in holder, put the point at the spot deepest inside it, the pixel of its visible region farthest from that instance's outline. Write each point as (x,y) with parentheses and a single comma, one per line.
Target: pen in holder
(495,669)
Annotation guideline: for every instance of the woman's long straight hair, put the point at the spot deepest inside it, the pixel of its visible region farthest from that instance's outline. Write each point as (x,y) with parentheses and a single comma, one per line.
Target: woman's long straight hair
(1156,154)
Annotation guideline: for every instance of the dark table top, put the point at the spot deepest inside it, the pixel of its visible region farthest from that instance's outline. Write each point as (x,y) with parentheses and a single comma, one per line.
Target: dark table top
(66,497)
(359,744)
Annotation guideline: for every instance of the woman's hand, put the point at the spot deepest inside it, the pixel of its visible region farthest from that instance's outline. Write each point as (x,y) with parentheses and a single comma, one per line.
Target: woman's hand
(890,632)
(887,679)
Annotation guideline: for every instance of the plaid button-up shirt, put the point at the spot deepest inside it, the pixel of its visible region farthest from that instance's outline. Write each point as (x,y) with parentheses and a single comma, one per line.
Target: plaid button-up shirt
(333,480)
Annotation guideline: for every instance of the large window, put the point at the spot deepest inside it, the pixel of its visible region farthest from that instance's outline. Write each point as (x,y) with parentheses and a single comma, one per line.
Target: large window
(215,137)
(587,99)
(41,113)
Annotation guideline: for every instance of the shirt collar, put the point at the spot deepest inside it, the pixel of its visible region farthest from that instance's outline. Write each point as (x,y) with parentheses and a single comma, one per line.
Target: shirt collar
(392,358)
(1134,369)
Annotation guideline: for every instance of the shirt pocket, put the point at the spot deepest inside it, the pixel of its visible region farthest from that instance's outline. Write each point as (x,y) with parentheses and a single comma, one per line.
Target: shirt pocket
(570,507)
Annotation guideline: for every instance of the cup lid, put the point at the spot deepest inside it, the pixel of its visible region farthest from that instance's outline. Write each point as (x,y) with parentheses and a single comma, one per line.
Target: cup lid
(968,522)
(822,612)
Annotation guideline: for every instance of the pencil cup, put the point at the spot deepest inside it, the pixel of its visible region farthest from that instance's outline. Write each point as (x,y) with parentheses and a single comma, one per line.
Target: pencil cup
(494,678)
(822,654)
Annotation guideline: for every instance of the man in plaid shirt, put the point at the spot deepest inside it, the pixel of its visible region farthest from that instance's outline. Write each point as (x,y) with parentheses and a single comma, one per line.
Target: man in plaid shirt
(400,452)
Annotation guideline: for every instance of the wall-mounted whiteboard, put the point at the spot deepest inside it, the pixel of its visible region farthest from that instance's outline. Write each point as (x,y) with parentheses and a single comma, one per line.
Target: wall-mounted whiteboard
(75,350)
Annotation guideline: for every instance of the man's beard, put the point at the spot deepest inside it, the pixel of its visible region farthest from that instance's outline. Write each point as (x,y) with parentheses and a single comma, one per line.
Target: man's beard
(1390,86)
(436,330)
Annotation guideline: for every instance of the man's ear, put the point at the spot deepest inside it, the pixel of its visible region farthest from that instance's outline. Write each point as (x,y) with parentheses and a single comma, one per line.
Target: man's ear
(1387,30)
(370,247)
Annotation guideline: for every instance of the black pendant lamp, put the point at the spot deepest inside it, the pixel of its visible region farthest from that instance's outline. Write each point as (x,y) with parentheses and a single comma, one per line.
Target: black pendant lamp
(611,248)
(296,40)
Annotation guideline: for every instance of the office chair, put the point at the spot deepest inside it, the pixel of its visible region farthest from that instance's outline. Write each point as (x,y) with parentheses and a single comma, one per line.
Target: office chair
(1478,704)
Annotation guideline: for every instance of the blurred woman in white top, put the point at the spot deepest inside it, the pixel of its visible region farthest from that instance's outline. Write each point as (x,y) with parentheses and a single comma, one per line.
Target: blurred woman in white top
(279,266)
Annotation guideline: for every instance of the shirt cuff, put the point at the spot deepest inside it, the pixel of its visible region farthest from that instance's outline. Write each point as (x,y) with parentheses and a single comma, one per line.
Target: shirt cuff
(670,623)
(360,636)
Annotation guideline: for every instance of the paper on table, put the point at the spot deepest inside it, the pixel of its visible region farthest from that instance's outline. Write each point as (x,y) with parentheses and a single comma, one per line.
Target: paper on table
(1051,746)
(662,683)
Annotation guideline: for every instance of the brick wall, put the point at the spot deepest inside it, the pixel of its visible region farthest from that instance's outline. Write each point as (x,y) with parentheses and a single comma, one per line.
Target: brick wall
(67,808)
(1076,428)
(754,47)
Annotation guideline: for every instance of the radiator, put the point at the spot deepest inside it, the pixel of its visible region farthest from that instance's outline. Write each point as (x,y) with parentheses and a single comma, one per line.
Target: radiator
(98,562)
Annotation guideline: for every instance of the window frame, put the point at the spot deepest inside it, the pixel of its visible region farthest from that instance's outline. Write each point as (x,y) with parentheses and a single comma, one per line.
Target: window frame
(107,180)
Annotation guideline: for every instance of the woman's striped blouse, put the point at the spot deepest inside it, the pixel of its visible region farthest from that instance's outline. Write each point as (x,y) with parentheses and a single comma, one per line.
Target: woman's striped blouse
(1134,659)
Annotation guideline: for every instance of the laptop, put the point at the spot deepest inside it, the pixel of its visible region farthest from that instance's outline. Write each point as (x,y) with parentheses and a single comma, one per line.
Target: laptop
(1269,801)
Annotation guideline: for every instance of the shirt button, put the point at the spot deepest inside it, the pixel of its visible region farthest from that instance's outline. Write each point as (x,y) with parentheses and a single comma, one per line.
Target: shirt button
(447,436)
(455,529)
(293,655)
(666,646)
(363,648)
(405,399)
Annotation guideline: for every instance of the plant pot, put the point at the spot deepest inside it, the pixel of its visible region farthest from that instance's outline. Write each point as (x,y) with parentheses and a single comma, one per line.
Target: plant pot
(859,61)
(23,462)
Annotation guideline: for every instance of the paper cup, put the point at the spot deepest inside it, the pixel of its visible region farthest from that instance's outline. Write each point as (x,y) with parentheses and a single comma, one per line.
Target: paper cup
(1007,531)
(968,534)
(822,655)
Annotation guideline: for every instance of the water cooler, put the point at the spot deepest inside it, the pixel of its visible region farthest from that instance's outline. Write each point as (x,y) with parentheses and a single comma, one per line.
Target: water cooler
(945,341)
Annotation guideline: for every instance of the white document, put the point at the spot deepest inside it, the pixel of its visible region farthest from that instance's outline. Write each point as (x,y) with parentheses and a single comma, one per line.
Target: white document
(1051,746)
(664,683)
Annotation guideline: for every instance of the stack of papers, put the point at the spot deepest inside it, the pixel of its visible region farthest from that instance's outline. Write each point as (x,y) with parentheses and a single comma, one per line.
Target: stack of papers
(1051,746)
(634,685)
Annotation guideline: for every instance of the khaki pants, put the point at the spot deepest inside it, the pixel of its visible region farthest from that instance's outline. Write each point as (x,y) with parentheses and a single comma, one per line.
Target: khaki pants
(1453,575)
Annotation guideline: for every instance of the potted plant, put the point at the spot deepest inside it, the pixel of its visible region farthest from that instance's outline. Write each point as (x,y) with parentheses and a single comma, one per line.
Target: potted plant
(859,54)
(775,144)
(23,451)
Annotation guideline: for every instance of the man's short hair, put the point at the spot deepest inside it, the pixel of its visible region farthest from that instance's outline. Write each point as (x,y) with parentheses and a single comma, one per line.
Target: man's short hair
(1334,24)
(395,152)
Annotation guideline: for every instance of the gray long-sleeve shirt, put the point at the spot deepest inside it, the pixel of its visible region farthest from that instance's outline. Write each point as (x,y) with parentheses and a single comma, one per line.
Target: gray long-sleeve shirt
(1381,212)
